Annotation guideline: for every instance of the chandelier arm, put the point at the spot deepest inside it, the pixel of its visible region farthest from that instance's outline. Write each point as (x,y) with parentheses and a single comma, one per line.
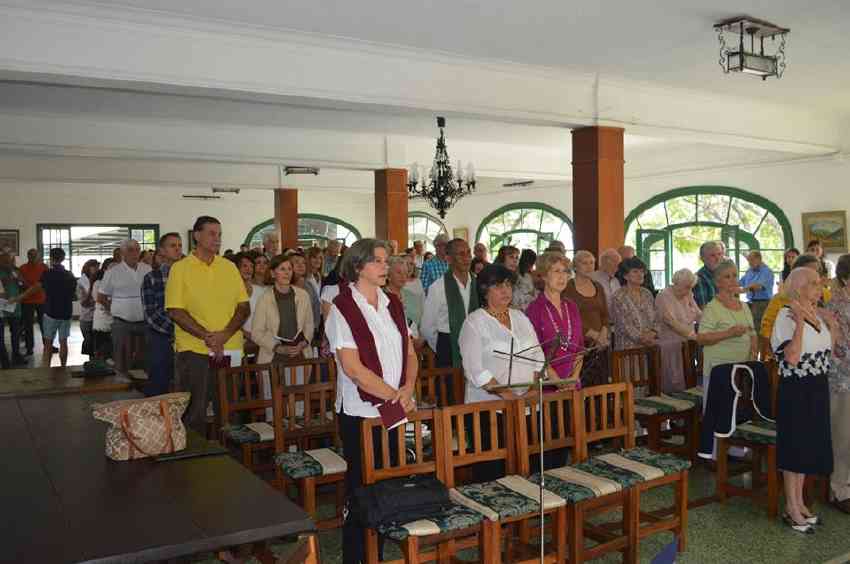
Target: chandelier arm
(724,51)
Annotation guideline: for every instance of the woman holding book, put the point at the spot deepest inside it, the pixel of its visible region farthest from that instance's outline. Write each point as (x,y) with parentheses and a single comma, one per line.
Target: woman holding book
(283,321)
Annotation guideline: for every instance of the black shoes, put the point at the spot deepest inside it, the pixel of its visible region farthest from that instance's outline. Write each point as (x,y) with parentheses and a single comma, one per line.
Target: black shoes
(805,528)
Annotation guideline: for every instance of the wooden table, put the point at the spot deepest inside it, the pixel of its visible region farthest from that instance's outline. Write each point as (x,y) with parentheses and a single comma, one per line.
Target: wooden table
(25,382)
(64,501)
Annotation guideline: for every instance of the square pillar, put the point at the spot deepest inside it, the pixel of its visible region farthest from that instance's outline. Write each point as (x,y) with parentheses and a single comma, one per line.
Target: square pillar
(391,205)
(598,188)
(286,217)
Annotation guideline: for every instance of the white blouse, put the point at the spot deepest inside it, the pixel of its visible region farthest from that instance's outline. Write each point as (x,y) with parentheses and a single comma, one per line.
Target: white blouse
(387,341)
(815,356)
(483,342)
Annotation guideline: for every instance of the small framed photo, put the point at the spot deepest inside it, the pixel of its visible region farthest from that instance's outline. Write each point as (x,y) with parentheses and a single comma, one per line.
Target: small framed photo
(830,227)
(10,241)
(461,233)
(190,242)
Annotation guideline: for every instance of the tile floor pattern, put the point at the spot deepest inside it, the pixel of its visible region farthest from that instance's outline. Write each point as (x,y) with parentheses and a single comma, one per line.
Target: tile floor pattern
(737,532)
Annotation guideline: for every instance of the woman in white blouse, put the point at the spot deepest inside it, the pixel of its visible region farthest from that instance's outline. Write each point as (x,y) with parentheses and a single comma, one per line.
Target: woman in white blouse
(486,336)
(366,330)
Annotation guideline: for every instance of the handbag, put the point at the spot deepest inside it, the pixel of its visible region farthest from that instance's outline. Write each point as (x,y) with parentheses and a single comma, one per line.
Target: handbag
(144,427)
(399,501)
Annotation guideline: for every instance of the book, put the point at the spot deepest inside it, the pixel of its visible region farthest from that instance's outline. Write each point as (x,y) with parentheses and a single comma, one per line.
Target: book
(291,342)
(392,414)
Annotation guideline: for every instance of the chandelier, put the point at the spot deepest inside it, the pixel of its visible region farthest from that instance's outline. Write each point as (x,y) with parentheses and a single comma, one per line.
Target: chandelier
(442,187)
(749,56)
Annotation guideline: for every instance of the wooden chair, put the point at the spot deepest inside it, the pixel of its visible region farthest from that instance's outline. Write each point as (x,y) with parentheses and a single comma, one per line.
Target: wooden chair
(307,422)
(642,368)
(608,414)
(758,435)
(304,414)
(241,403)
(432,386)
(306,551)
(509,500)
(418,449)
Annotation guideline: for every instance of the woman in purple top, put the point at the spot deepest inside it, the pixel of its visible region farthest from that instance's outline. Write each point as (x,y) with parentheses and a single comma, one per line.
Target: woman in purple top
(552,314)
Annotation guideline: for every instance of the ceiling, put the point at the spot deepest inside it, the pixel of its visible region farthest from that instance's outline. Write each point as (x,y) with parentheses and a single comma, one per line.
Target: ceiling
(667,42)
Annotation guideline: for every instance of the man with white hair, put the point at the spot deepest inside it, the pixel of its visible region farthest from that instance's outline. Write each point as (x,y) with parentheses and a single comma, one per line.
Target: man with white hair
(711,253)
(121,294)
(437,266)
(609,262)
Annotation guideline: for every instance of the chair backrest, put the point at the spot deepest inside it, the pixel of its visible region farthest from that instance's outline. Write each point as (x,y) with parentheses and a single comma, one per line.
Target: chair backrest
(432,386)
(303,370)
(640,366)
(418,447)
(303,411)
(466,425)
(692,357)
(609,413)
(561,419)
(240,393)
(772,367)
(427,358)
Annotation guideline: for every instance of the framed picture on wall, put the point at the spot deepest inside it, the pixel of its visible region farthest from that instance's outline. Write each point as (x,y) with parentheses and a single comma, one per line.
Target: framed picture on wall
(189,245)
(830,227)
(10,240)
(461,233)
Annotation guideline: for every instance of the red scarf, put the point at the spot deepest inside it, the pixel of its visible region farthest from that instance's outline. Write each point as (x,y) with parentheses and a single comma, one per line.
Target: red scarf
(364,339)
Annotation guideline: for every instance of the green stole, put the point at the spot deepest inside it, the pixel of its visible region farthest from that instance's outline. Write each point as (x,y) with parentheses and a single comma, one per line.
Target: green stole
(456,313)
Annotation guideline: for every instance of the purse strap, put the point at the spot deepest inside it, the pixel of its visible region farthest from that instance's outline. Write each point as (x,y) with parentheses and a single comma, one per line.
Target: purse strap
(125,427)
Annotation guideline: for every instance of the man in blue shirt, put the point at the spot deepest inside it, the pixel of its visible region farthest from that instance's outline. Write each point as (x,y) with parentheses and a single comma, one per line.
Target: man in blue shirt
(160,327)
(436,267)
(757,282)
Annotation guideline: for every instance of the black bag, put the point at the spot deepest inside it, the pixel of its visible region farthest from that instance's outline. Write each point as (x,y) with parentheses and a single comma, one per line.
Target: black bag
(398,501)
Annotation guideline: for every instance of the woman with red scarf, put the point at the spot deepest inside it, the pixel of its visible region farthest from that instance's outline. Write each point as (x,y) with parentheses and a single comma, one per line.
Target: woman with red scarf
(376,363)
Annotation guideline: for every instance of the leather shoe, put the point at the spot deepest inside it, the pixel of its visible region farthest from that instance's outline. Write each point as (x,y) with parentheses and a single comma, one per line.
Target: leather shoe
(843,505)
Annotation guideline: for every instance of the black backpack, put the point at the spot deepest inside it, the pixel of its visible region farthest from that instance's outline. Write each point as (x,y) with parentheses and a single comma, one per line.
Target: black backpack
(398,501)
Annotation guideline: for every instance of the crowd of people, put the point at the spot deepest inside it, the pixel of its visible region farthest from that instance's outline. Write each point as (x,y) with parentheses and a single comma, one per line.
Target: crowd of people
(374,307)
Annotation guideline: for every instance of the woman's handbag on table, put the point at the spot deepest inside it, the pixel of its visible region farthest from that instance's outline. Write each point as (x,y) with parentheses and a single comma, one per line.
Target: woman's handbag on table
(144,427)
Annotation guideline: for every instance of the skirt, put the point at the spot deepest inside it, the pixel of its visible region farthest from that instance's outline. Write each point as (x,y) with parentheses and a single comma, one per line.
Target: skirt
(803,431)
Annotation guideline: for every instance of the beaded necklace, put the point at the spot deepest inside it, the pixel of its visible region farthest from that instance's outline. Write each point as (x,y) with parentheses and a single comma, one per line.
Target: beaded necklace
(563,344)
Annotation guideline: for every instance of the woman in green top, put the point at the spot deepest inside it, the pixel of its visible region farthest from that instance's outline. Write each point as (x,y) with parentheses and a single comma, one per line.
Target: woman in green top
(726,329)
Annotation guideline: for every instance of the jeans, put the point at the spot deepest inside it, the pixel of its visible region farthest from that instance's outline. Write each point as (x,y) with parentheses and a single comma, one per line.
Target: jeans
(15,333)
(160,361)
(30,313)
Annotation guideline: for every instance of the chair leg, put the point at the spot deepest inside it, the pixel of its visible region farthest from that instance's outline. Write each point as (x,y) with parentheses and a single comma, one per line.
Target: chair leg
(489,542)
(682,509)
(631,524)
(722,469)
(371,546)
(757,469)
(772,483)
(559,533)
(575,534)
(410,550)
(247,457)
(307,487)
(693,435)
(340,498)
(653,429)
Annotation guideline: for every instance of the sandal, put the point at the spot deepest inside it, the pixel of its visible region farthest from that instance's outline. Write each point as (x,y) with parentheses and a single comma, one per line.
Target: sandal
(802,528)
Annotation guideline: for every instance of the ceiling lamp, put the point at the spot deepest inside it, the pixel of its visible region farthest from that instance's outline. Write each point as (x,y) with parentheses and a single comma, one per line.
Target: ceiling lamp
(442,188)
(748,56)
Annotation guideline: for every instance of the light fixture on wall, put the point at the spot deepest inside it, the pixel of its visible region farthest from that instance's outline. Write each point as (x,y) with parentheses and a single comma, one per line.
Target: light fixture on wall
(200,197)
(301,170)
(752,59)
(220,190)
(442,187)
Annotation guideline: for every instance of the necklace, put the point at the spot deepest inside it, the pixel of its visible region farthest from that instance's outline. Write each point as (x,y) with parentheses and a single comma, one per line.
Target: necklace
(564,344)
(503,317)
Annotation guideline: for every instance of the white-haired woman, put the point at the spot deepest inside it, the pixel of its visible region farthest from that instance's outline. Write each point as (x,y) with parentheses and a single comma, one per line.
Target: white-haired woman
(803,340)
(677,312)
(726,329)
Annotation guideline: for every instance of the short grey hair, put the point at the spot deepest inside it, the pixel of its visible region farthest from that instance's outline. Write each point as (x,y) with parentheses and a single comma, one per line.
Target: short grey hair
(127,243)
(441,239)
(707,246)
(358,255)
(684,276)
(582,254)
(395,260)
(723,266)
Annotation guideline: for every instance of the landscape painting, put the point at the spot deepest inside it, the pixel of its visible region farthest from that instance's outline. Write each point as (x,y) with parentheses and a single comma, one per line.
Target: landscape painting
(830,227)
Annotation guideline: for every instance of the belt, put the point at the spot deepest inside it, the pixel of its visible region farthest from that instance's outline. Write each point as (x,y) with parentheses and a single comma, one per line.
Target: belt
(125,321)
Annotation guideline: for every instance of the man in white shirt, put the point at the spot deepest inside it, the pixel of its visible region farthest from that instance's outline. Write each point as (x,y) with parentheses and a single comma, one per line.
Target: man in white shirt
(609,261)
(121,294)
(450,299)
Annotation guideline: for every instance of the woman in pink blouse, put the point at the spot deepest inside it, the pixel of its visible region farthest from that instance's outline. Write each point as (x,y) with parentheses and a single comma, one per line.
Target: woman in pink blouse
(552,314)
(677,312)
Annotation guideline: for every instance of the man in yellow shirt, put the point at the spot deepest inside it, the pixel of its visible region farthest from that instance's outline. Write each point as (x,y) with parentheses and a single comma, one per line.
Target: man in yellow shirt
(206,298)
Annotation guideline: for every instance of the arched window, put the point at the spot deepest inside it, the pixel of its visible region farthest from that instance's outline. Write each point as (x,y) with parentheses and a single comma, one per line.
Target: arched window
(525,225)
(667,230)
(313,229)
(423,227)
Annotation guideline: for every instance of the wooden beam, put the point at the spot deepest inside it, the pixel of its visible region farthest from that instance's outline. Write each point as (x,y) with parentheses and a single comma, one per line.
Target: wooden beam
(286,217)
